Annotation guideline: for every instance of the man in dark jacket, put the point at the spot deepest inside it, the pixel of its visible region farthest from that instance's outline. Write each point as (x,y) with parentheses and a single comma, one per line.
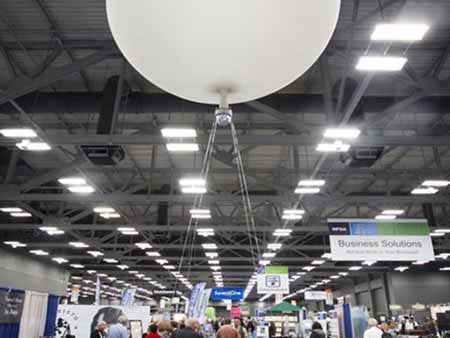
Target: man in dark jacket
(99,331)
(191,330)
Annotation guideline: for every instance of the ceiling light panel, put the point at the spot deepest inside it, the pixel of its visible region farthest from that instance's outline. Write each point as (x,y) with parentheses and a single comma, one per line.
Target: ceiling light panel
(407,32)
(381,63)
(18,132)
(342,133)
(178,132)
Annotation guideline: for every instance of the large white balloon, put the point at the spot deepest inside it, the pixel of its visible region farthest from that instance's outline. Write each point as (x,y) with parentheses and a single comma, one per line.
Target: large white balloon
(195,48)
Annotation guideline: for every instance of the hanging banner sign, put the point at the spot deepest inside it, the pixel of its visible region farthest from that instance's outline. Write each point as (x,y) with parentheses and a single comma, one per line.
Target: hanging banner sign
(391,240)
(11,305)
(195,296)
(227,293)
(316,295)
(273,279)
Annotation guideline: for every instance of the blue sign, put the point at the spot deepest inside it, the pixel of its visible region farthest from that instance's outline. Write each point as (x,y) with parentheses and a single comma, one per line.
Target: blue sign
(227,293)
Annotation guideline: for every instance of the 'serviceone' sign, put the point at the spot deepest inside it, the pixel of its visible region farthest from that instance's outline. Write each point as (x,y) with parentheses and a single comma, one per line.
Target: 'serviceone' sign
(368,239)
(227,293)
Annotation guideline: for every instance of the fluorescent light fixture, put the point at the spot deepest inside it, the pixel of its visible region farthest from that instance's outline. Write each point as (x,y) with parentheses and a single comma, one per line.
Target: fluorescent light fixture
(268,254)
(102,275)
(308,268)
(291,217)
(130,233)
(153,253)
(355,268)
(110,215)
(264,262)
(293,211)
(182,147)
(335,277)
(209,246)
(140,275)
(342,133)
(96,253)
(91,272)
(396,212)
(343,273)
(103,210)
(179,132)
(133,272)
(317,262)
(81,189)
(122,267)
(399,32)
(424,191)
(444,231)
(199,211)
(274,246)
(18,132)
(444,269)
(20,214)
(78,244)
(126,229)
(77,266)
(143,245)
(215,267)
(282,232)
(436,183)
(300,273)
(168,267)
(401,268)
(39,252)
(51,230)
(112,279)
(72,181)
(381,63)
(205,232)
(161,261)
(59,260)
(333,147)
(385,217)
(193,190)
(214,262)
(187,182)
(420,262)
(110,260)
(11,209)
(437,234)
(369,263)
(444,255)
(311,183)
(307,190)
(33,146)
(327,255)
(211,254)
(201,216)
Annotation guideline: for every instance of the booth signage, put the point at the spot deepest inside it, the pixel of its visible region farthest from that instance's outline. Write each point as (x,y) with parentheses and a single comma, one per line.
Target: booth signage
(227,293)
(316,295)
(11,305)
(273,279)
(368,239)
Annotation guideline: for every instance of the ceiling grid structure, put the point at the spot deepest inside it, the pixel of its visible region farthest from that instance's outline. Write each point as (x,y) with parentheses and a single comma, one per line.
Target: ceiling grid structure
(62,54)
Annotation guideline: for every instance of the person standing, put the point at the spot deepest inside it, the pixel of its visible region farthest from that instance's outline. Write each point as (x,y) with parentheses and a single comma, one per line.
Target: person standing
(99,331)
(373,331)
(317,331)
(152,331)
(240,328)
(191,330)
(119,330)
(227,331)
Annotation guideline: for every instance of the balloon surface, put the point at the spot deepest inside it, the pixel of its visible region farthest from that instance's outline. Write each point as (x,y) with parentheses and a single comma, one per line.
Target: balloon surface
(196,48)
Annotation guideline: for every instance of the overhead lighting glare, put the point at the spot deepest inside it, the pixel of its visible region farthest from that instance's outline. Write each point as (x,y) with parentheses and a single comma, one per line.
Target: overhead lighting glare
(396,212)
(307,190)
(161,261)
(59,260)
(444,269)
(445,231)
(110,260)
(214,262)
(205,232)
(39,252)
(335,277)
(355,268)
(327,255)
(182,147)
(443,255)
(211,254)
(95,253)
(274,246)
(317,262)
(311,183)
(385,217)
(143,245)
(436,183)
(52,230)
(78,245)
(168,267)
(103,210)
(308,268)
(20,214)
(291,217)
(401,268)
(342,133)
(209,246)
(72,181)
(77,266)
(282,232)
(369,263)
(215,267)
(420,262)
(193,190)
(268,254)
(399,32)
(437,234)
(343,273)
(81,189)
(381,63)
(333,147)
(18,132)
(424,191)
(264,262)
(153,253)
(201,216)
(33,146)
(91,272)
(186,182)
(110,215)
(11,209)
(178,132)
(122,267)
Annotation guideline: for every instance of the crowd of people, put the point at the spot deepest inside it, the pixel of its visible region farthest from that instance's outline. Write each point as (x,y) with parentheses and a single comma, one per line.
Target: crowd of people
(391,329)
